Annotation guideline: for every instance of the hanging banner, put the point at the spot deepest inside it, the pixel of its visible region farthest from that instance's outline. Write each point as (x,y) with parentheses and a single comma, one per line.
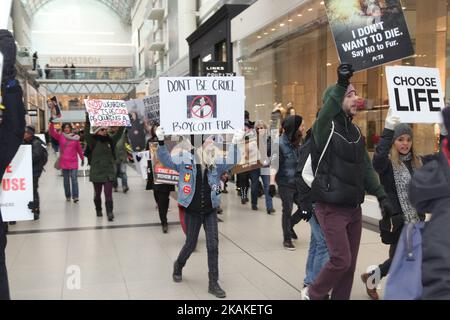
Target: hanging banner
(16,190)
(369,33)
(415,94)
(202,105)
(162,174)
(107,113)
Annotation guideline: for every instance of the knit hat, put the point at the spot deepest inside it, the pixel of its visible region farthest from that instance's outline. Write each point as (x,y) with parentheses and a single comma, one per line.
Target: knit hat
(95,130)
(30,129)
(446,117)
(402,129)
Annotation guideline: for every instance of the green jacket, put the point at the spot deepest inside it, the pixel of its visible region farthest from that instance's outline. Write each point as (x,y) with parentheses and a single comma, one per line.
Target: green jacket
(103,167)
(331,110)
(120,149)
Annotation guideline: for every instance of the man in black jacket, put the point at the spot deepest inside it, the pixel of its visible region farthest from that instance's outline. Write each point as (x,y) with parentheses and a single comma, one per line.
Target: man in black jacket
(11,133)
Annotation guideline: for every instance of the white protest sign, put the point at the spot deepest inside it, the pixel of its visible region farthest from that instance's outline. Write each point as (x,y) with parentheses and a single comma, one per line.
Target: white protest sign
(415,94)
(16,191)
(5,10)
(202,105)
(107,113)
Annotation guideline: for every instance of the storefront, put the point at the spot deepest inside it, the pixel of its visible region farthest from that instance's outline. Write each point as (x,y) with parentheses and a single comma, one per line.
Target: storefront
(291,60)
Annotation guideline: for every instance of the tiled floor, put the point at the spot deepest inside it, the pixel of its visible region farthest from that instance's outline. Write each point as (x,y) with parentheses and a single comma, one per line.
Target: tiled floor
(134,260)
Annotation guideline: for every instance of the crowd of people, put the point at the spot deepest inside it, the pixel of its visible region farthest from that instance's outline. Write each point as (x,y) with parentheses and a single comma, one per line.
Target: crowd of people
(406,185)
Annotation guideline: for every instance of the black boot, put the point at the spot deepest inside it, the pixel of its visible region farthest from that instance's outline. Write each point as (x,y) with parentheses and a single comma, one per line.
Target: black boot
(98,207)
(214,287)
(177,272)
(109,210)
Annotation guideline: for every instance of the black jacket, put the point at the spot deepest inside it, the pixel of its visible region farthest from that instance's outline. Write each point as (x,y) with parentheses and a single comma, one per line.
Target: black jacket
(13,126)
(430,192)
(38,156)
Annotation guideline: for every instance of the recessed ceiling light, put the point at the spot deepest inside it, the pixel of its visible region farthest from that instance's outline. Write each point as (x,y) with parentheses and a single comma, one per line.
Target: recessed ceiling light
(259,37)
(266,33)
(310,9)
(282,24)
(290,20)
(322,3)
(273,29)
(328,64)
(299,15)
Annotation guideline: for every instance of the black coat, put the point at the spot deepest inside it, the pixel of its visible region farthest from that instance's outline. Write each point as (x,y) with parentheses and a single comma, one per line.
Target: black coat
(430,192)
(13,126)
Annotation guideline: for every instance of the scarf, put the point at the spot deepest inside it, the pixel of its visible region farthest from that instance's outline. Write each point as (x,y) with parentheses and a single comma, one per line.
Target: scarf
(402,178)
(71,137)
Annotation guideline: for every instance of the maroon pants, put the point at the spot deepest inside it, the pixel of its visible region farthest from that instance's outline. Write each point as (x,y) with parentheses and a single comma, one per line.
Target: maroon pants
(342,228)
(98,186)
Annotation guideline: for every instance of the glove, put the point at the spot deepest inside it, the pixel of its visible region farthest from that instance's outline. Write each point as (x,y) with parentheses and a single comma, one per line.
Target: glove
(238,136)
(345,73)
(82,163)
(272,190)
(391,120)
(306,215)
(160,134)
(32,206)
(386,207)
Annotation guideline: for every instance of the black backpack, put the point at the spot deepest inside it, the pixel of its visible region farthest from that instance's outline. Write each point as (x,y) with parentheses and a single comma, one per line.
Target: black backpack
(43,153)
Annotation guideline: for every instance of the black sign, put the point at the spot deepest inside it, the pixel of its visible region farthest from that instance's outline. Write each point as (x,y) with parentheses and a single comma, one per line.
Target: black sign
(369,33)
(216,69)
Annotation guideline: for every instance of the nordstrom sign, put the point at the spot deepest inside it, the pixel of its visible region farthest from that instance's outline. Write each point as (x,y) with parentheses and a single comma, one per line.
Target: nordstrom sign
(85,60)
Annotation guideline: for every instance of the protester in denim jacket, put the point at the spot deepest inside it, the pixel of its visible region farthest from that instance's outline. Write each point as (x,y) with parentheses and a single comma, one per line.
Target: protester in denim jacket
(199,193)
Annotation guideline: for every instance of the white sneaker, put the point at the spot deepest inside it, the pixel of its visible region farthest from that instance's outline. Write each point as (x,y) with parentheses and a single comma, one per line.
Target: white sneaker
(304,294)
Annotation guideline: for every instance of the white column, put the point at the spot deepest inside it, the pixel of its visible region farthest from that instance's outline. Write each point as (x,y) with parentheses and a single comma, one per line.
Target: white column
(5,10)
(187,24)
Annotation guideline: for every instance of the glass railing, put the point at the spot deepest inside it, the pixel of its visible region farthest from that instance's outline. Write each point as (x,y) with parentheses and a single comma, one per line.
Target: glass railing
(86,73)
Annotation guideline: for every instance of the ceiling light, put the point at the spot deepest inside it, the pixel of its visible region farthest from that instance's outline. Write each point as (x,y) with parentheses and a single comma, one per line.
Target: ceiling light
(259,37)
(322,3)
(273,29)
(310,9)
(282,24)
(266,33)
(299,15)
(328,64)
(290,20)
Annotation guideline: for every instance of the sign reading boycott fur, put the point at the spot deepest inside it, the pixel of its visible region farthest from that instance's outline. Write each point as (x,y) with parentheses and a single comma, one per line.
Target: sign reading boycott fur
(415,94)
(107,113)
(202,105)
(17,188)
(369,33)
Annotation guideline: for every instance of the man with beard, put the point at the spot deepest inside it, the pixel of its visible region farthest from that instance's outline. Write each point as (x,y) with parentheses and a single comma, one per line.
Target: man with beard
(344,173)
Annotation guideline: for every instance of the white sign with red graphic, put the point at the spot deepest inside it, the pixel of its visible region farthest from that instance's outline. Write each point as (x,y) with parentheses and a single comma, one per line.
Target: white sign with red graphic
(16,190)
(202,105)
(107,113)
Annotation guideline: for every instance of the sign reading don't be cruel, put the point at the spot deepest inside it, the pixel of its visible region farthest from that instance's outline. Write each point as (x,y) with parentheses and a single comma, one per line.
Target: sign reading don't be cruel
(202,105)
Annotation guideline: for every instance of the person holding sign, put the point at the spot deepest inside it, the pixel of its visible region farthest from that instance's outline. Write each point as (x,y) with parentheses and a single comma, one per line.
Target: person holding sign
(395,161)
(12,129)
(199,193)
(101,158)
(344,173)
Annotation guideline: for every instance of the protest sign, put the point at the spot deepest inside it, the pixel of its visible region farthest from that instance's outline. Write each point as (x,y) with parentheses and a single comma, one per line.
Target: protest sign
(202,105)
(369,33)
(415,94)
(161,174)
(55,107)
(250,158)
(107,113)
(16,190)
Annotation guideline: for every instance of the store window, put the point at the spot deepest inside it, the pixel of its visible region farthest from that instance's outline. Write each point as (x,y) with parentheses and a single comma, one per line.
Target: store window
(290,63)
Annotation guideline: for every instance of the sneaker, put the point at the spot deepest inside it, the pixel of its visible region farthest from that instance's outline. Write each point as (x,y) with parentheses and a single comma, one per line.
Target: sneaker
(372,293)
(126,189)
(254,208)
(304,294)
(293,234)
(288,245)
(270,211)
(76,200)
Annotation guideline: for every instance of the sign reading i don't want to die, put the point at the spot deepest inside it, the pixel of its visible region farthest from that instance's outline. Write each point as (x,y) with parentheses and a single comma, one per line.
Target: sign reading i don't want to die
(202,105)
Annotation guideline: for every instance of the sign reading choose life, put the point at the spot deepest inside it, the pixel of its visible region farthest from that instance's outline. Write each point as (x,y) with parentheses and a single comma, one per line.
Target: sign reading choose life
(415,94)
(202,105)
(107,113)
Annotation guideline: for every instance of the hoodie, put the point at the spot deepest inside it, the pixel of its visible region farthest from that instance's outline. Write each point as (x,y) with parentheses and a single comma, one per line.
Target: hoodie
(430,192)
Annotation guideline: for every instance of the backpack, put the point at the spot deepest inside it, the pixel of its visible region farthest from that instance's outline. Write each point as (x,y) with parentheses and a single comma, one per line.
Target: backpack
(43,153)
(405,274)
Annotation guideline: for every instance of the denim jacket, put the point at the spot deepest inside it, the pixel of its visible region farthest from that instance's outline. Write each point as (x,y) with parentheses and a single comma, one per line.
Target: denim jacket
(186,167)
(288,162)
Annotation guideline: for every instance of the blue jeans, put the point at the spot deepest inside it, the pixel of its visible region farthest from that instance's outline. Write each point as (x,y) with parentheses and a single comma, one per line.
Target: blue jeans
(71,175)
(121,172)
(254,177)
(318,252)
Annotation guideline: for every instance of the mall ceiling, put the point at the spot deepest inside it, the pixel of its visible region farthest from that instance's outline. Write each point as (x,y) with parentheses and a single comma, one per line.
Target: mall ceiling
(121,7)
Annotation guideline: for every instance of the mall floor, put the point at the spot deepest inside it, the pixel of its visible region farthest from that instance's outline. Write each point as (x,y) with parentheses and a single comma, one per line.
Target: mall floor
(132,259)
